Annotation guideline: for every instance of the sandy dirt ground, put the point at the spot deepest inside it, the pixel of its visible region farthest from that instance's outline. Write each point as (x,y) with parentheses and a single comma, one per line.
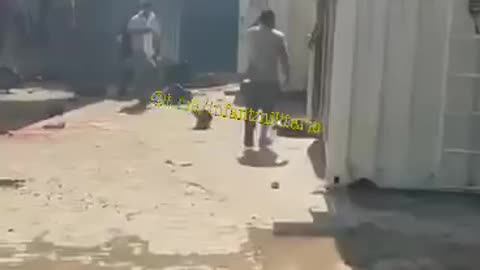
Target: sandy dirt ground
(144,191)
(111,175)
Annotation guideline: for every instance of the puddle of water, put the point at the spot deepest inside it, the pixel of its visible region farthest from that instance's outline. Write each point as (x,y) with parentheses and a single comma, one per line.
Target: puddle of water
(262,251)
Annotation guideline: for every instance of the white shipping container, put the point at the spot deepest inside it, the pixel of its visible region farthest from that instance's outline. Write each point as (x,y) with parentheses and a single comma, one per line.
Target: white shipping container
(404,104)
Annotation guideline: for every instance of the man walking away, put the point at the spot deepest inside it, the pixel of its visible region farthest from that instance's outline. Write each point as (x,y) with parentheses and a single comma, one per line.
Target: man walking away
(144,31)
(267,49)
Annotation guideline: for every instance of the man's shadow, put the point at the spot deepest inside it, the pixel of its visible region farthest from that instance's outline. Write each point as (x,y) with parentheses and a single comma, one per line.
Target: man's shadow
(135,109)
(264,157)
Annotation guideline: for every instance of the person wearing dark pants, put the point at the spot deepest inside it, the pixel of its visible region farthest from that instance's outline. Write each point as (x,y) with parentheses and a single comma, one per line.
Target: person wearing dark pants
(260,96)
(267,50)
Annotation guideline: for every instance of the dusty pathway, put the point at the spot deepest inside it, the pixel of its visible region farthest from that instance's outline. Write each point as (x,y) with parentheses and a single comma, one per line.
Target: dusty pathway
(143,184)
(145,192)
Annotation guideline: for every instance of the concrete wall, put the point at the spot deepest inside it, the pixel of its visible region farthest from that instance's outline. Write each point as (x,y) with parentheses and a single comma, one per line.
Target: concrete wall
(16,53)
(301,22)
(391,132)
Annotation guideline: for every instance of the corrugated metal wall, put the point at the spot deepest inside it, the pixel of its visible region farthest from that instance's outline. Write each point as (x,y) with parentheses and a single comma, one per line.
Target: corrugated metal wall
(385,116)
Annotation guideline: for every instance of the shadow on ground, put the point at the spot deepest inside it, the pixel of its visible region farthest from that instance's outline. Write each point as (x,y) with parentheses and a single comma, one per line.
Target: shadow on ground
(361,232)
(135,109)
(262,251)
(15,115)
(37,102)
(317,155)
(382,230)
(263,157)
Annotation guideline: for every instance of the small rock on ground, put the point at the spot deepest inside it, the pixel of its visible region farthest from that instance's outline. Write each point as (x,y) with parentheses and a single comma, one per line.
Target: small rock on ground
(275,185)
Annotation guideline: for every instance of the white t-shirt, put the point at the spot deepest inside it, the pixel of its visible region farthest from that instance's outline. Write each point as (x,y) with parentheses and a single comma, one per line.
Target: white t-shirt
(144,42)
(266,50)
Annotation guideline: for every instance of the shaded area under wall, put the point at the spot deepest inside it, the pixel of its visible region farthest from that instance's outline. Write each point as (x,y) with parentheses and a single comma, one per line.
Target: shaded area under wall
(261,251)
(378,229)
(359,232)
(25,106)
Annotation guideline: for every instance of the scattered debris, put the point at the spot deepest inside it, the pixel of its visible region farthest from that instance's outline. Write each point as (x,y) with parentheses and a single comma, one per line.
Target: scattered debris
(319,191)
(186,164)
(177,95)
(204,120)
(4,132)
(100,125)
(11,183)
(231,89)
(131,215)
(196,186)
(298,128)
(58,125)
(275,185)
(189,192)
(181,164)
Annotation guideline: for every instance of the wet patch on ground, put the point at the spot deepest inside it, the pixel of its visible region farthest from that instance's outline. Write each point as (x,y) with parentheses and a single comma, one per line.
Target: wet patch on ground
(364,247)
(262,251)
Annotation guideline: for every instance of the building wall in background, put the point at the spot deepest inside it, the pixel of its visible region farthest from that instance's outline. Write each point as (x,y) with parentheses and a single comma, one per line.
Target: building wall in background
(209,35)
(79,41)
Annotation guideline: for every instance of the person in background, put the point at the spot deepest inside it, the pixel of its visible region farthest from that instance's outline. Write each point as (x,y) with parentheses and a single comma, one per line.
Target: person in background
(126,72)
(144,31)
(266,51)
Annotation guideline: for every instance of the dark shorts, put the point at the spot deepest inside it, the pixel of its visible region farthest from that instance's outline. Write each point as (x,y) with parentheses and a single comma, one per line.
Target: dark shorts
(262,96)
